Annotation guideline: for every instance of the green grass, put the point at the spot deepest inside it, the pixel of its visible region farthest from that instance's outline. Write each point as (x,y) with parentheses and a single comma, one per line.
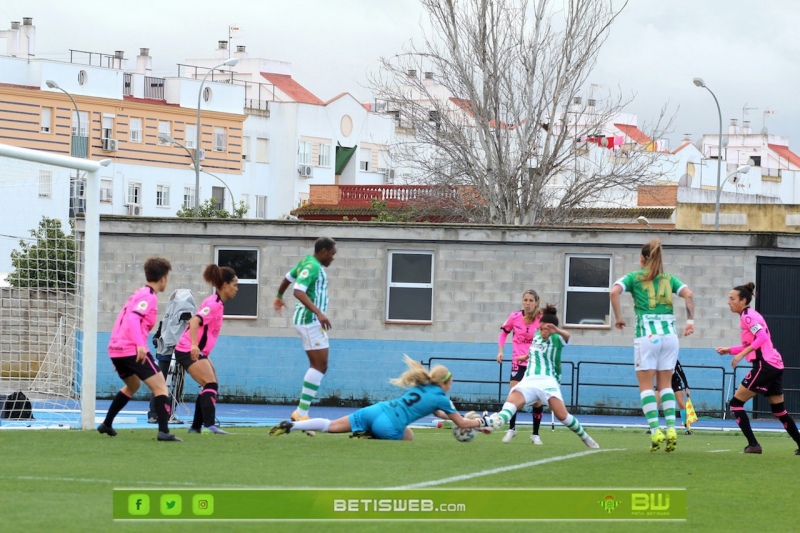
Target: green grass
(63,480)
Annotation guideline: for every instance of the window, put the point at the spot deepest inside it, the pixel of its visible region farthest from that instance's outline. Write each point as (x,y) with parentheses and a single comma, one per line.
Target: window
(245,148)
(190,136)
(107,190)
(245,199)
(261,206)
(136,130)
(410,291)
(188,197)
(588,282)
(324,155)
(45,184)
(162,195)
(304,153)
(220,139)
(262,150)
(164,129)
(134,193)
(365,158)
(244,261)
(108,127)
(47,120)
(84,123)
(218,195)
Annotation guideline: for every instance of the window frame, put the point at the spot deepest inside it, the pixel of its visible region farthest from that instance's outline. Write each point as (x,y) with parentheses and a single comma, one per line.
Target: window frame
(164,128)
(162,195)
(245,284)
(46,121)
(262,150)
(406,285)
(605,291)
(304,151)
(137,138)
(188,197)
(324,157)
(45,183)
(134,195)
(220,133)
(364,162)
(189,140)
(261,206)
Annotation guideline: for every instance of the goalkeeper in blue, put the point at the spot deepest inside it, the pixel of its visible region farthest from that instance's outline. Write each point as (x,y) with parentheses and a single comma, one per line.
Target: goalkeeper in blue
(542,379)
(389,420)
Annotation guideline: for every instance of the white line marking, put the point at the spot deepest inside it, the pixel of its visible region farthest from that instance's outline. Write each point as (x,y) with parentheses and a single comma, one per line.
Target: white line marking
(465,477)
(717,451)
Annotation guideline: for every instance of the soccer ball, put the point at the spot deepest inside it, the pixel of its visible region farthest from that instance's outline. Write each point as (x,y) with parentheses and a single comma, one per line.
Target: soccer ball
(463,434)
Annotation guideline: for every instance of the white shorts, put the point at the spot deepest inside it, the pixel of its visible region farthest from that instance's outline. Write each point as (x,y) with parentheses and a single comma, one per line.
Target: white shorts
(314,337)
(655,352)
(538,389)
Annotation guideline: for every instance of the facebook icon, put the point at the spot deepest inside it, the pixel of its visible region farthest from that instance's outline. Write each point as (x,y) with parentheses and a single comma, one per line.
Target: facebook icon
(138,504)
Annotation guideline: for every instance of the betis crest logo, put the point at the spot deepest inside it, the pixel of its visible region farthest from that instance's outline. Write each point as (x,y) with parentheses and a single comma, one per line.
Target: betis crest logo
(609,503)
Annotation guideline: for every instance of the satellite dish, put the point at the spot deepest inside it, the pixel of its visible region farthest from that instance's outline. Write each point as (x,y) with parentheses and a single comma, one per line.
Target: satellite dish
(685,181)
(764,131)
(735,179)
(699,144)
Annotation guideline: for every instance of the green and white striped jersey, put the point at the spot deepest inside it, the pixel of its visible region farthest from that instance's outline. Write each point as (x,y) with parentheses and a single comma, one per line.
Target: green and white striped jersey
(309,276)
(652,301)
(545,356)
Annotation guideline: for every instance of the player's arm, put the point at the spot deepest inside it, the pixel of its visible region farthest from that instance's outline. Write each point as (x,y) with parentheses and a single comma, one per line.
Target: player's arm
(616,290)
(278,303)
(462,422)
(688,296)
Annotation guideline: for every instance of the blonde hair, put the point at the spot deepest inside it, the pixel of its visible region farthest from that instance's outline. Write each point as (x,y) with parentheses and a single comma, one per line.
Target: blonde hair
(417,375)
(653,263)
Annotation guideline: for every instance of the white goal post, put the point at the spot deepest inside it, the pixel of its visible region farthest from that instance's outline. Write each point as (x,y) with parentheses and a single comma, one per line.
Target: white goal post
(88,298)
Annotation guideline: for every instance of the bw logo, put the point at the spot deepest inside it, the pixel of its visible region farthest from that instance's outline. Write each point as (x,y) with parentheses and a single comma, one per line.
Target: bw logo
(641,501)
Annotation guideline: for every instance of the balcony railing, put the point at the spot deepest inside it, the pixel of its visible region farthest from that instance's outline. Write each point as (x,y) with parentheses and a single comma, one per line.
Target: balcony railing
(80,146)
(392,195)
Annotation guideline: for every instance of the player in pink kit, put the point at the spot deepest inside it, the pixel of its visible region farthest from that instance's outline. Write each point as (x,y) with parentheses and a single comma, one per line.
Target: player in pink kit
(522,325)
(194,347)
(128,350)
(766,377)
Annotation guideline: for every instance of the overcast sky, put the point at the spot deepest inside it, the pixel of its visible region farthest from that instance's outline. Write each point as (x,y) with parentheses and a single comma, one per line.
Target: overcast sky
(745,50)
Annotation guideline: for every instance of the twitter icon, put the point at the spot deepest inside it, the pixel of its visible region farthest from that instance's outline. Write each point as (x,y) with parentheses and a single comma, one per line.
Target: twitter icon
(170,504)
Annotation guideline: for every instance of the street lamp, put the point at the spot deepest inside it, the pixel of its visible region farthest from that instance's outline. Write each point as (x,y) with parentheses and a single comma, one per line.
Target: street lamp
(643,221)
(700,83)
(228,63)
(163,137)
(233,201)
(53,85)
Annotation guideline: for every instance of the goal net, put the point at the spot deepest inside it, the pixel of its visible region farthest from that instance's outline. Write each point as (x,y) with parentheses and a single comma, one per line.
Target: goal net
(42,292)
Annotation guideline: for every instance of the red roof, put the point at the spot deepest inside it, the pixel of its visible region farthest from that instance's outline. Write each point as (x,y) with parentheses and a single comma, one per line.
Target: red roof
(785,153)
(634,133)
(683,145)
(291,88)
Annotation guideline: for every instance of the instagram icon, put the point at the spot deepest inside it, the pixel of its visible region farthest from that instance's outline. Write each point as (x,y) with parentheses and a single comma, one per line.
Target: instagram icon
(203,504)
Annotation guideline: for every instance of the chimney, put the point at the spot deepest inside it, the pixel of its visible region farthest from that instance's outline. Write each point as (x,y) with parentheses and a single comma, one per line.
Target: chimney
(746,127)
(429,75)
(733,128)
(12,39)
(144,63)
(222,51)
(411,73)
(27,39)
(240,51)
(119,56)
(577,100)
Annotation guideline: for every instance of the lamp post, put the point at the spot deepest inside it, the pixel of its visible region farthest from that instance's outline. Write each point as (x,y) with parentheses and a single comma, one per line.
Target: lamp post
(53,85)
(228,63)
(700,83)
(167,138)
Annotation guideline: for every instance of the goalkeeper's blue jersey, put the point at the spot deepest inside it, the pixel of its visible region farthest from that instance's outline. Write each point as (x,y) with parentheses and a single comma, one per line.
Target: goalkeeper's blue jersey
(417,402)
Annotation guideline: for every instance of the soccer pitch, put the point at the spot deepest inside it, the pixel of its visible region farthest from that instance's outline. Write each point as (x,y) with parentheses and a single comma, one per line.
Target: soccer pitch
(63,480)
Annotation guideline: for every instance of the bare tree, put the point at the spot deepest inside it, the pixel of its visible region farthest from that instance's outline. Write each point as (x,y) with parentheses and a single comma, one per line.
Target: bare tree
(495,115)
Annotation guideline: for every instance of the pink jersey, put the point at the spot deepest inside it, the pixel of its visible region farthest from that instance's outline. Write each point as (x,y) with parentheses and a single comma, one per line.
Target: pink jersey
(522,335)
(134,322)
(210,313)
(755,333)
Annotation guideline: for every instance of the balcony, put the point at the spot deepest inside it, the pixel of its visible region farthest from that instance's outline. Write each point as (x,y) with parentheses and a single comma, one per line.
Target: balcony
(80,146)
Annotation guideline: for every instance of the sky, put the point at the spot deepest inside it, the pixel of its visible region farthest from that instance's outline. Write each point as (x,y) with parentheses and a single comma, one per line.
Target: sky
(745,50)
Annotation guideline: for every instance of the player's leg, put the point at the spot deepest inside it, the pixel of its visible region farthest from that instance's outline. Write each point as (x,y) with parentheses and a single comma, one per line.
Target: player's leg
(123,396)
(315,343)
(742,396)
(514,402)
(560,411)
(512,422)
(538,412)
(779,411)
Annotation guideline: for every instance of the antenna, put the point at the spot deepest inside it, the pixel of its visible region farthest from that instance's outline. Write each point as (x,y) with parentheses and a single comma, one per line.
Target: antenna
(745,109)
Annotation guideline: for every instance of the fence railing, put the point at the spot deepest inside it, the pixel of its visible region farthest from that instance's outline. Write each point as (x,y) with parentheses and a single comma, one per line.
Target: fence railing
(577,379)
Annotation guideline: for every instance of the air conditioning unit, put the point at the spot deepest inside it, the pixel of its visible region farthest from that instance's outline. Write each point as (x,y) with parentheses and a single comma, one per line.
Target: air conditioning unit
(110,145)
(304,171)
(388,176)
(135,210)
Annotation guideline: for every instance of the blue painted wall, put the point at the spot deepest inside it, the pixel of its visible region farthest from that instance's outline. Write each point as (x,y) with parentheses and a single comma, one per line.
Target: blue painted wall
(270,370)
